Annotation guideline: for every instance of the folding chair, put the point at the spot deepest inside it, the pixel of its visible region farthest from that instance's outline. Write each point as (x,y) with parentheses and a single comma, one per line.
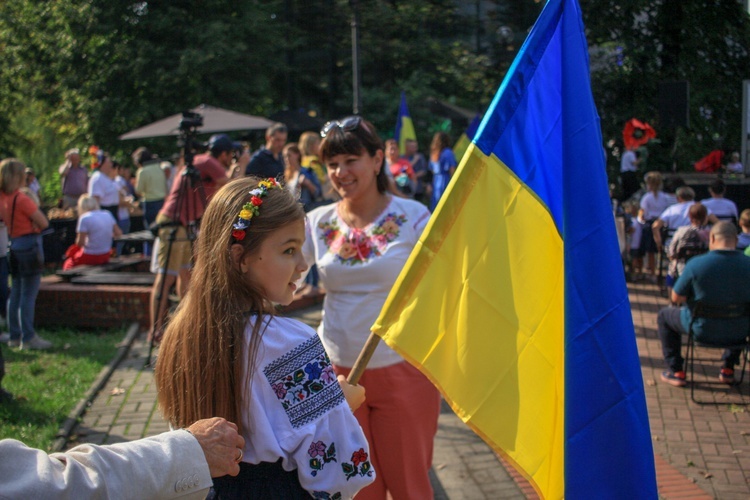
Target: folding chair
(717,312)
(662,262)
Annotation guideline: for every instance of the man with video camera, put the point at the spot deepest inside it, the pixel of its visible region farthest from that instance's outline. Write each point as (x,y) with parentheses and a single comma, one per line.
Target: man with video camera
(179,218)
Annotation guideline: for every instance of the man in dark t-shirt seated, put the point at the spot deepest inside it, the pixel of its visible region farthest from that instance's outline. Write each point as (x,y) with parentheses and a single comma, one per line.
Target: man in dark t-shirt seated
(719,277)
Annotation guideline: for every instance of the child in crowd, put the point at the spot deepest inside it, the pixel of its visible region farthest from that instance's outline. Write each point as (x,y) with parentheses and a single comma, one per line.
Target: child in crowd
(637,223)
(687,242)
(94,234)
(226,354)
(743,239)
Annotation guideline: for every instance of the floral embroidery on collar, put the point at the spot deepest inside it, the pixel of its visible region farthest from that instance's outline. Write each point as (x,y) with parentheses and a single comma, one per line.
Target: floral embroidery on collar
(357,246)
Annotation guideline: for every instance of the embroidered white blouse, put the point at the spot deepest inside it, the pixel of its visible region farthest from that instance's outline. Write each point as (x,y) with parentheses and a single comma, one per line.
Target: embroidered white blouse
(357,268)
(297,412)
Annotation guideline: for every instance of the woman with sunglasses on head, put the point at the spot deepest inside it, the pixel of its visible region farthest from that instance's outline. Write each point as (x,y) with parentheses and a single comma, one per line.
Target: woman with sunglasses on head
(360,244)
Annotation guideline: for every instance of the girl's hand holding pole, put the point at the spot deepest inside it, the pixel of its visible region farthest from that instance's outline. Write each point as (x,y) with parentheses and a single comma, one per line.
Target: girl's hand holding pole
(354,394)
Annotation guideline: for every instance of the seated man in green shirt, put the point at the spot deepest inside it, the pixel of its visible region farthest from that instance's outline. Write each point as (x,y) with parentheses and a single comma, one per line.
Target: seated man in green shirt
(719,277)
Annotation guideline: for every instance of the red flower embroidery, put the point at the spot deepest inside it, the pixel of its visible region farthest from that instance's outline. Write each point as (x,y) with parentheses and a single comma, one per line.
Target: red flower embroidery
(238,234)
(256,201)
(359,456)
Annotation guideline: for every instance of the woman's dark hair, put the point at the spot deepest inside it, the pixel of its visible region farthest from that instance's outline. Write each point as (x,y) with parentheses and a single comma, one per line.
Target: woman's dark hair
(352,142)
(440,141)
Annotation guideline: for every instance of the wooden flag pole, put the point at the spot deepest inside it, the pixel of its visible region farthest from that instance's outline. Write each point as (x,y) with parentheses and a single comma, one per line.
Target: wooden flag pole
(364,357)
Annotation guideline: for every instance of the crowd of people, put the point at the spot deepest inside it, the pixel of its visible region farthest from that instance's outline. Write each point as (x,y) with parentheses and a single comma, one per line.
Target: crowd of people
(701,243)
(340,210)
(239,235)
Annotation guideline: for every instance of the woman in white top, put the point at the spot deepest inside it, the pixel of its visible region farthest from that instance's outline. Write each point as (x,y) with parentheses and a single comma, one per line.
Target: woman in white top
(360,244)
(94,234)
(102,185)
(653,203)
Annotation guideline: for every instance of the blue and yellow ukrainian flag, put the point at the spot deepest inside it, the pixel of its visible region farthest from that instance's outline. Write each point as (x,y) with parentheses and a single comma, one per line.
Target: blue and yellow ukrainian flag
(514,302)
(462,143)
(404,126)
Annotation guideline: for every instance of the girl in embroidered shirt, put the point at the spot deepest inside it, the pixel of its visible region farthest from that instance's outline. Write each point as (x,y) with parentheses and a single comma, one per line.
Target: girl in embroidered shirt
(224,353)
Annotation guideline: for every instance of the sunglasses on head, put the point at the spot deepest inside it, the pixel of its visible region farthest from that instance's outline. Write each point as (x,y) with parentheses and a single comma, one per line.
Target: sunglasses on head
(346,125)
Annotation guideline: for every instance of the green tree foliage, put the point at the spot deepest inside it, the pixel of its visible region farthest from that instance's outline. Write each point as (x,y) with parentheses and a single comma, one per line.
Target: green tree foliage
(638,44)
(81,72)
(92,69)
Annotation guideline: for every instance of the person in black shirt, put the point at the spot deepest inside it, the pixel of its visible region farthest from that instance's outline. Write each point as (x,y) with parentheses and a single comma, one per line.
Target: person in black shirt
(267,161)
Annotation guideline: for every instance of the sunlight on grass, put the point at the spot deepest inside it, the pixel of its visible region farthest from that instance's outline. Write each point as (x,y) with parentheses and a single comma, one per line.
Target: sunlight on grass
(47,385)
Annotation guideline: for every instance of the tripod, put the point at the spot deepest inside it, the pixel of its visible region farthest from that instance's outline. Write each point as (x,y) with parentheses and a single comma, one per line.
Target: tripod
(189,197)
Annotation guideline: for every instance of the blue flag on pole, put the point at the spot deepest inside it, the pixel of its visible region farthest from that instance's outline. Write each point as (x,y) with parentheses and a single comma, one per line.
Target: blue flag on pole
(514,301)
(404,126)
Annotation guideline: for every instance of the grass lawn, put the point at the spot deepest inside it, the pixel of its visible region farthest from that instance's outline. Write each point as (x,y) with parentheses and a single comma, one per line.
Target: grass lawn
(47,385)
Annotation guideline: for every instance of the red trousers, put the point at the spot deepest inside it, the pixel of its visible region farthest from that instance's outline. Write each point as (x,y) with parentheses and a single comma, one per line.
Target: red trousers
(76,257)
(399,418)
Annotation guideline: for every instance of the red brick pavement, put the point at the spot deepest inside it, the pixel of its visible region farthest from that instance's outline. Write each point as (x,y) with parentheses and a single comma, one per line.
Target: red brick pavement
(701,452)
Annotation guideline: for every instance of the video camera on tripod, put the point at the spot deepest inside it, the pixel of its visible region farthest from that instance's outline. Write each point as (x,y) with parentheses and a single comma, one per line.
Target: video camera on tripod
(188,127)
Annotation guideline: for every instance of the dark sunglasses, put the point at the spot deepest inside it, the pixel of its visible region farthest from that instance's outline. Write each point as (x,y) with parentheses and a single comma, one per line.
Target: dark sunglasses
(347,125)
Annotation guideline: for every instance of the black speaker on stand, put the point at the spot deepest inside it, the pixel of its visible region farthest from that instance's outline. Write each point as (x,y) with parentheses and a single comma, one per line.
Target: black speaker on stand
(674,108)
(674,111)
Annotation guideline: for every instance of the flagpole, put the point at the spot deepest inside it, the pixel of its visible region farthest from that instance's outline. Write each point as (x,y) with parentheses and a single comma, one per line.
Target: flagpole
(364,357)
(356,72)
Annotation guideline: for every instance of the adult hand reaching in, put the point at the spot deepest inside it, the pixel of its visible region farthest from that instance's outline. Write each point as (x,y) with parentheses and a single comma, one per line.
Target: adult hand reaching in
(221,443)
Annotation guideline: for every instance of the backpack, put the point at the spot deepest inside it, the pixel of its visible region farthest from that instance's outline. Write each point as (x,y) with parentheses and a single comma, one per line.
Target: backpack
(693,242)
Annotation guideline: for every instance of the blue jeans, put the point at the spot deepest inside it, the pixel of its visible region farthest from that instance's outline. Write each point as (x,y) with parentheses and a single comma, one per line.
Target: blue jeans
(313,277)
(4,287)
(23,292)
(671,330)
(150,211)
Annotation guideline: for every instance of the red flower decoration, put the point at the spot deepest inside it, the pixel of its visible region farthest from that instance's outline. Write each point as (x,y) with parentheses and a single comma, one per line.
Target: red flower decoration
(359,456)
(256,201)
(238,234)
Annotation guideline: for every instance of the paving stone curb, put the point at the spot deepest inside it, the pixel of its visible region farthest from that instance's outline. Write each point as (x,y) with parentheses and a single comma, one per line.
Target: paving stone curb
(63,434)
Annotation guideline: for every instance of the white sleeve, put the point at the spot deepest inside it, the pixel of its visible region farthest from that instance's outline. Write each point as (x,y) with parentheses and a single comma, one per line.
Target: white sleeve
(420,220)
(331,455)
(81,226)
(315,428)
(170,465)
(94,186)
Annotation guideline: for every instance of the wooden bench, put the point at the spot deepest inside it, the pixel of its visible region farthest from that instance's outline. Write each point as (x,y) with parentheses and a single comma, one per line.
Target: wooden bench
(115,264)
(115,278)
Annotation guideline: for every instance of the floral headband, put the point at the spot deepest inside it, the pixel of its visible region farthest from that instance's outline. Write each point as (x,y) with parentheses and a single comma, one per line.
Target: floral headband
(97,156)
(252,208)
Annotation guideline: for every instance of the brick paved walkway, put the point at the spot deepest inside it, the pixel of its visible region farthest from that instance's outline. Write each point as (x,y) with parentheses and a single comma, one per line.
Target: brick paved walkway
(708,444)
(701,452)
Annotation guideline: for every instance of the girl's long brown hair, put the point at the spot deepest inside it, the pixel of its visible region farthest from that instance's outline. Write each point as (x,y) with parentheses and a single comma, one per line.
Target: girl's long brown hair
(199,370)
